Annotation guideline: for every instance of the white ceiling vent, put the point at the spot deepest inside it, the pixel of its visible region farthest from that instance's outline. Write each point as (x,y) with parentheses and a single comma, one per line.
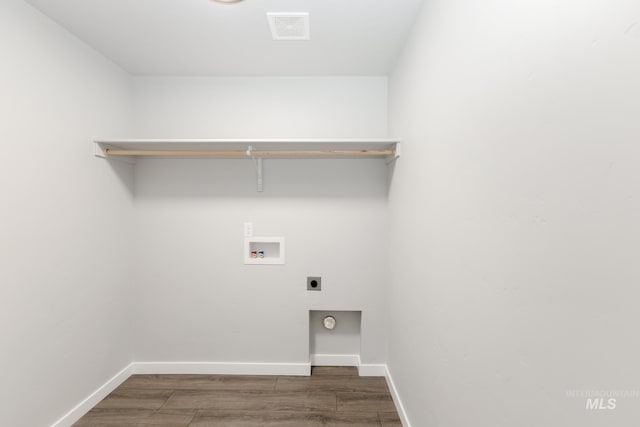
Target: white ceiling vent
(289,26)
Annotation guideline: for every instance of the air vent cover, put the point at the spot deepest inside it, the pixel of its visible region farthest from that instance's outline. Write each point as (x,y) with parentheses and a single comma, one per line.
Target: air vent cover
(289,26)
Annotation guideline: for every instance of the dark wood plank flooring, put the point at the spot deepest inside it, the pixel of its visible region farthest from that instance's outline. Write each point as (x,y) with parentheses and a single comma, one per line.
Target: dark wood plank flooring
(334,397)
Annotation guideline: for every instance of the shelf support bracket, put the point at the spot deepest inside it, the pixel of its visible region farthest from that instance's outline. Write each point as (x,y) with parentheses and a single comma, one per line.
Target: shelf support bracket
(396,154)
(98,151)
(258,164)
(259,174)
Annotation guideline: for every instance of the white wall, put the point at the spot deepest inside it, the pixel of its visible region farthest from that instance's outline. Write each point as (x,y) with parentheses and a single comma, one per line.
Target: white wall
(198,301)
(64,234)
(260,107)
(514,212)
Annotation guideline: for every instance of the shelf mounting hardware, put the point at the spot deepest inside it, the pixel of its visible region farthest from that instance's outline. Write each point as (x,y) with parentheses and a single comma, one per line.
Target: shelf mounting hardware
(258,164)
(395,155)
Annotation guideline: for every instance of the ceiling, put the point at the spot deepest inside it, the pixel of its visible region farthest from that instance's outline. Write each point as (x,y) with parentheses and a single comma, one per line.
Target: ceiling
(202,37)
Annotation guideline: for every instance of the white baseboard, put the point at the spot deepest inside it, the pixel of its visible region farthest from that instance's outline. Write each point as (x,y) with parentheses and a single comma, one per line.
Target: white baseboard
(222,368)
(94,398)
(335,360)
(364,369)
(396,398)
(372,370)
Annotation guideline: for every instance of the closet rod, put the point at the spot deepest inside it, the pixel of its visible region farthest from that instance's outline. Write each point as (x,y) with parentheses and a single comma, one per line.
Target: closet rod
(254,153)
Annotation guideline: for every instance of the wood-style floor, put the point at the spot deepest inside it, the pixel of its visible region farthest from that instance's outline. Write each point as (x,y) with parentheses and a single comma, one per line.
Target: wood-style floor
(333,397)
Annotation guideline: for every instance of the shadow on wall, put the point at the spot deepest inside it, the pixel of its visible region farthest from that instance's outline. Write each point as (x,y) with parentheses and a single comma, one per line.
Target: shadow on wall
(125,173)
(234,178)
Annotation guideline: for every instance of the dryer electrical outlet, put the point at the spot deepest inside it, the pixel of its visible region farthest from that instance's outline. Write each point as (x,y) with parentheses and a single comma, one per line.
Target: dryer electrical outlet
(314,283)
